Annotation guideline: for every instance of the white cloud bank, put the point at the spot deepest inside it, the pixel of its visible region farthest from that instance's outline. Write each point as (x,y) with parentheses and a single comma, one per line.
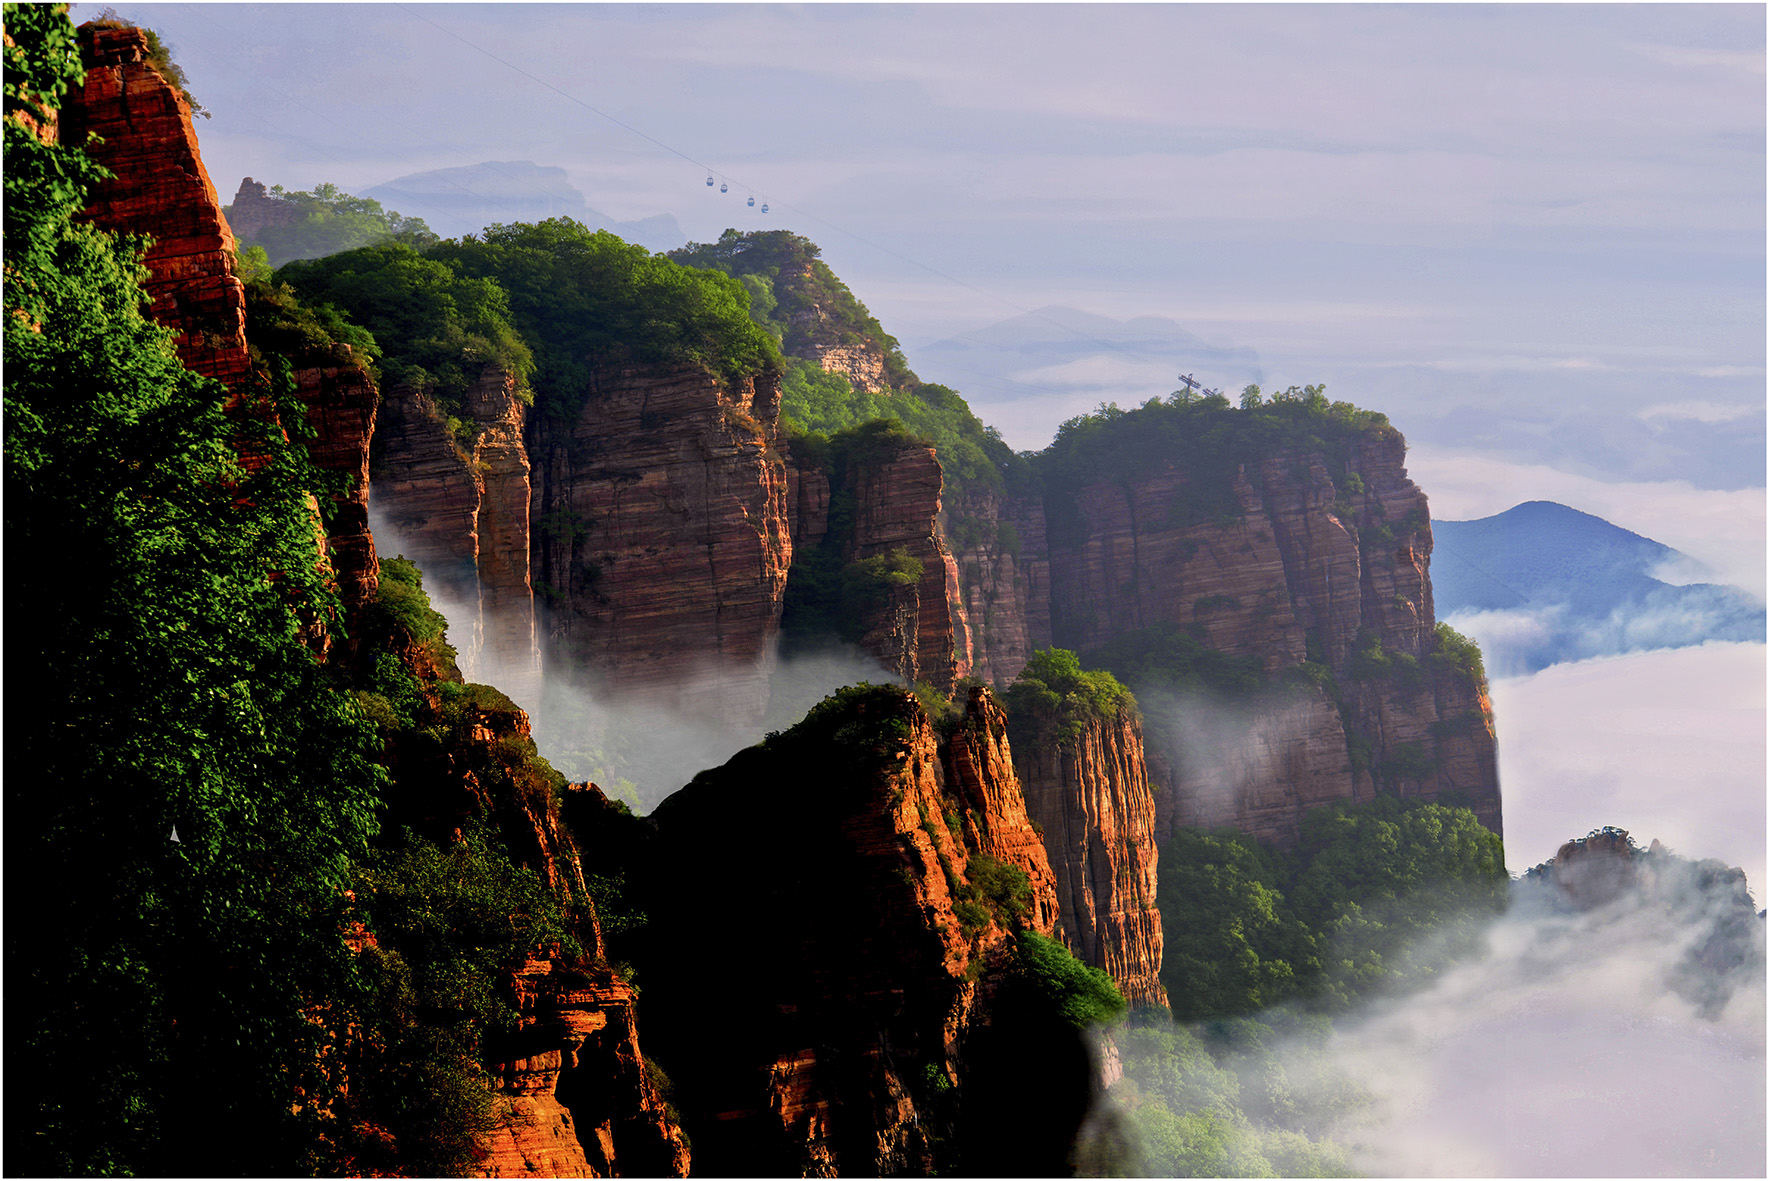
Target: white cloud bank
(1666,744)
(1723,528)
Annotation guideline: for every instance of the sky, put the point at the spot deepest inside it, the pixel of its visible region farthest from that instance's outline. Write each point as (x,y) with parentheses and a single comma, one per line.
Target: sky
(1533,235)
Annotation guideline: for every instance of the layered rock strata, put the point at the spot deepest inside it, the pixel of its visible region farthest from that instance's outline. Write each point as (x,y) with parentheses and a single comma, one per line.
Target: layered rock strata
(160,188)
(1091,796)
(341,402)
(459,508)
(833,1040)
(1306,571)
(575,1097)
(662,538)
(1001,594)
(254,210)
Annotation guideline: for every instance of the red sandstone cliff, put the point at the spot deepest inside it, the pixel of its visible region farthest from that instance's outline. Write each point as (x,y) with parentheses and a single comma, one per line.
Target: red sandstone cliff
(918,630)
(160,188)
(1001,599)
(460,510)
(820,1025)
(662,541)
(1091,796)
(1305,566)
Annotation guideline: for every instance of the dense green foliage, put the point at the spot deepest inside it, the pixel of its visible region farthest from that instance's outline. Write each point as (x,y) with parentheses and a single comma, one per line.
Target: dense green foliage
(1171,659)
(445,920)
(794,294)
(813,402)
(436,329)
(1054,699)
(1220,1103)
(1378,896)
(171,685)
(329,221)
(582,298)
(1070,992)
(1205,438)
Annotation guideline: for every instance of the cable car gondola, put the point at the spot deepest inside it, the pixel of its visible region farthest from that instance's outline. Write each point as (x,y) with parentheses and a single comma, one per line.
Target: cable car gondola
(709,180)
(764,207)
(723,187)
(752,202)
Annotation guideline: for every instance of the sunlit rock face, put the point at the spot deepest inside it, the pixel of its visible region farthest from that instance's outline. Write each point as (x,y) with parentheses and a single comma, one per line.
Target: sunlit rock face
(822,1030)
(159,187)
(662,537)
(1091,796)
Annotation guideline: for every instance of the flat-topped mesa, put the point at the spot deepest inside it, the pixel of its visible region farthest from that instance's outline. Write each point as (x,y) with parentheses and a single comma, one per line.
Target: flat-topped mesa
(1090,795)
(160,188)
(1305,569)
(662,539)
(459,508)
(832,1041)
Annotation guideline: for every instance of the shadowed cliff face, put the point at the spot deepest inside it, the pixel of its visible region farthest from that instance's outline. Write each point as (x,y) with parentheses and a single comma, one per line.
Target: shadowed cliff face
(460,509)
(1306,571)
(878,500)
(662,541)
(832,934)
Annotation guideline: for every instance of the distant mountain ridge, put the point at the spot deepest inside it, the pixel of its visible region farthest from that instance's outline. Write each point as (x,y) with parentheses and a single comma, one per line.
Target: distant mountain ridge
(1542,583)
(506,191)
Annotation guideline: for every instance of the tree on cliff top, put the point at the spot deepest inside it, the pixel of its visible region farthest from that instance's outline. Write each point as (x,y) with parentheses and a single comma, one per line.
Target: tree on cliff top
(1055,699)
(161,988)
(329,221)
(582,298)
(796,296)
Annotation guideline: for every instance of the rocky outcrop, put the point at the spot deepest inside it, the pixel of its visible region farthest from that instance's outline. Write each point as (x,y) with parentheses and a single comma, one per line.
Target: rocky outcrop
(1001,597)
(1305,570)
(341,398)
(896,507)
(160,188)
(663,540)
(1090,794)
(575,1096)
(577,1099)
(862,365)
(459,507)
(833,1038)
(254,210)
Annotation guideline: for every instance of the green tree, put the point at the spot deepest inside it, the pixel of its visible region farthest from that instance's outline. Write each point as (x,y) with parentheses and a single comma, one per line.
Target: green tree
(1231,946)
(1054,698)
(171,684)
(328,221)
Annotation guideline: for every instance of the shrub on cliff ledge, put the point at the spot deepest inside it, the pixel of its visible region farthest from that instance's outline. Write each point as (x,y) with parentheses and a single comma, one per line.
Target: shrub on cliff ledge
(1056,699)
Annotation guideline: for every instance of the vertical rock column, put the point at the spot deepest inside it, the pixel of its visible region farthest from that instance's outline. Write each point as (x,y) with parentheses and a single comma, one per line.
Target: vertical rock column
(159,187)
(1091,797)
(461,511)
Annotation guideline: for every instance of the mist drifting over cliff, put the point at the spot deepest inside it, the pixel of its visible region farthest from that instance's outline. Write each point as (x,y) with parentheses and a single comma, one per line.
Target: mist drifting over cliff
(1622,1039)
(641,750)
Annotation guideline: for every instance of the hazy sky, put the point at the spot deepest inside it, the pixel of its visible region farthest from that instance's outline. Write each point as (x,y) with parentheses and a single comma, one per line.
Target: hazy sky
(1532,231)
(1531,234)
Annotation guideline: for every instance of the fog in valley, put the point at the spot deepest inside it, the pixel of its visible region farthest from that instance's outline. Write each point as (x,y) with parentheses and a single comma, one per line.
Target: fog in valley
(1624,1040)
